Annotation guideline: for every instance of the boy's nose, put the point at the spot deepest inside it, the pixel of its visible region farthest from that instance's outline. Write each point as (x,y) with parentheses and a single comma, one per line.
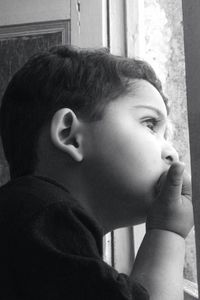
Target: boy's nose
(169,154)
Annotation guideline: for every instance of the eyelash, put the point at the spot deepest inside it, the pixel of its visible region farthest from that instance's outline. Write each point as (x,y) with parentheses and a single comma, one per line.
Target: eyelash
(153,121)
(154,128)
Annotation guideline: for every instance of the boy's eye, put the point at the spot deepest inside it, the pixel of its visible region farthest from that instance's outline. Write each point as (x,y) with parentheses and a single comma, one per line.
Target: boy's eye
(151,123)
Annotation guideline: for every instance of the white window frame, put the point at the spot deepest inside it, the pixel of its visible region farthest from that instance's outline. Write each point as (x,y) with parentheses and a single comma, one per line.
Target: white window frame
(117,24)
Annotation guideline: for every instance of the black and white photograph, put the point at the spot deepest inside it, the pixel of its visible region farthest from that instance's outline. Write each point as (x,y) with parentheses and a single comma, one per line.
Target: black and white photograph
(99,149)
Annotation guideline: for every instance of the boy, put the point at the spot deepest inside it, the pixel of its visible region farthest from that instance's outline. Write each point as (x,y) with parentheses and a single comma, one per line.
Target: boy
(85,136)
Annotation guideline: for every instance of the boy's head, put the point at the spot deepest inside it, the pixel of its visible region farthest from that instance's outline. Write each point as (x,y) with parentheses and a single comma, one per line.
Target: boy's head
(76,109)
(83,80)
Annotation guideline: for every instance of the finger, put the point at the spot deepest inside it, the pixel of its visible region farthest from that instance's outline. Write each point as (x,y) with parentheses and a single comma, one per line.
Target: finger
(173,185)
(186,187)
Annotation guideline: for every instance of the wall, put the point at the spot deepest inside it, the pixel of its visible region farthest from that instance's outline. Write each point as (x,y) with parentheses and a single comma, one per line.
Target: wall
(28,11)
(164,50)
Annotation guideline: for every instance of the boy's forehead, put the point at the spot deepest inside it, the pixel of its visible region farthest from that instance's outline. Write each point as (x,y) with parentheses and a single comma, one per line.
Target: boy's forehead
(143,94)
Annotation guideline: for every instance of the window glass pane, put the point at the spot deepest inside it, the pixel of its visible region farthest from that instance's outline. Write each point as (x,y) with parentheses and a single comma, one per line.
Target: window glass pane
(164,50)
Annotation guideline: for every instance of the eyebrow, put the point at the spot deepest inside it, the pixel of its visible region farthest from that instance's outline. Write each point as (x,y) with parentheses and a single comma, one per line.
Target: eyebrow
(157,111)
(169,128)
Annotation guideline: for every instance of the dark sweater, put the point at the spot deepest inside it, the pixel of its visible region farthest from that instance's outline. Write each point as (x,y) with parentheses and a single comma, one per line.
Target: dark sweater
(51,249)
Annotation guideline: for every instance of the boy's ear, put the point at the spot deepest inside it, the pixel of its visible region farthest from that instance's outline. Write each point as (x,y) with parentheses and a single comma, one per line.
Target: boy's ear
(66,134)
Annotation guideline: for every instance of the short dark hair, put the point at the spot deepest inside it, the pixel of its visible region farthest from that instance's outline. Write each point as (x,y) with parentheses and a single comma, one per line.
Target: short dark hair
(84,80)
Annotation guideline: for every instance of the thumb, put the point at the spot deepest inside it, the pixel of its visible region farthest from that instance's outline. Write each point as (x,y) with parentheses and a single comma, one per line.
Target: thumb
(173,185)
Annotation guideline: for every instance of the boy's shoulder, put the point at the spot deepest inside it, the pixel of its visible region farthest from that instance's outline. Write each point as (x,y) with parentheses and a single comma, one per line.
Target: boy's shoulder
(27,195)
(41,188)
(32,202)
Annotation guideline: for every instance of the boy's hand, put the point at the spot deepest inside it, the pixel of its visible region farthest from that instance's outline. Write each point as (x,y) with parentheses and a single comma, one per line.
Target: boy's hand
(172,209)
